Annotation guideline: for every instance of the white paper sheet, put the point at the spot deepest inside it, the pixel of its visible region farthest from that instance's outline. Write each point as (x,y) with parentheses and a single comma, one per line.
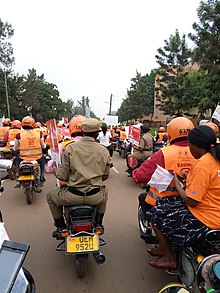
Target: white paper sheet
(160,179)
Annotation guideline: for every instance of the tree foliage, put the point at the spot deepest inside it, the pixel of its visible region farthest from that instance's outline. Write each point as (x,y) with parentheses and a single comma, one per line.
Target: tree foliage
(170,86)
(33,95)
(206,37)
(6,49)
(140,98)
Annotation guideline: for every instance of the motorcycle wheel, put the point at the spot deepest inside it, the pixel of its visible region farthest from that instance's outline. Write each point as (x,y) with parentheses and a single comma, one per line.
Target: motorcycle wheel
(81,264)
(123,153)
(31,284)
(29,195)
(12,172)
(1,218)
(187,271)
(141,221)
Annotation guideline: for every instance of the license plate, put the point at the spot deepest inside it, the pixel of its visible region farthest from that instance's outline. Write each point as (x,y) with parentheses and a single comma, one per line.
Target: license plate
(82,244)
(26,177)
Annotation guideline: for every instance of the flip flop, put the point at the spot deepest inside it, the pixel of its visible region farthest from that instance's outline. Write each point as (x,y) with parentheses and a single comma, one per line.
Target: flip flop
(169,265)
(152,252)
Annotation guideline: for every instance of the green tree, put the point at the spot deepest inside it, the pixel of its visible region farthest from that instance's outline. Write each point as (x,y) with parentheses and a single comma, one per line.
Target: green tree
(206,37)
(6,50)
(170,88)
(140,98)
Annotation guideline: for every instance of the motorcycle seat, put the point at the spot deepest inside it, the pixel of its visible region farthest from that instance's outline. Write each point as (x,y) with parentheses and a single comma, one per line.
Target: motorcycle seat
(28,163)
(79,211)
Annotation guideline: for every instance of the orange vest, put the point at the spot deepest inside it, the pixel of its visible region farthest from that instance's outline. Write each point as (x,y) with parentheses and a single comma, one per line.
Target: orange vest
(178,159)
(3,130)
(123,135)
(30,147)
(12,134)
(161,135)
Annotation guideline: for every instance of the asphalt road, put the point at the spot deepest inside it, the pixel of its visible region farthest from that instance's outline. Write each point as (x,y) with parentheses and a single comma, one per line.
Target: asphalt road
(126,269)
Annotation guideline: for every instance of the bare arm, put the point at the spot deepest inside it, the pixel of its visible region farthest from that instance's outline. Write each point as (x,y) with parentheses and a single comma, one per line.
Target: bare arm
(189,201)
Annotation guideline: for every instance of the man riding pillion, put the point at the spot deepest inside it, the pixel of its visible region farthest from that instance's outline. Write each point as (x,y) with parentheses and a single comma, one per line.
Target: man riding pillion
(175,157)
(31,144)
(85,165)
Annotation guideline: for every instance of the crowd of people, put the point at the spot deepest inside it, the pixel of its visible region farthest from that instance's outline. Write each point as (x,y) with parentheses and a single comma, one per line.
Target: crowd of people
(181,214)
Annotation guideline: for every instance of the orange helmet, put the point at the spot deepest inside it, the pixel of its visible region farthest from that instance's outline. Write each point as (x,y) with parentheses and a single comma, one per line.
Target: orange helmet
(28,121)
(6,122)
(178,128)
(75,124)
(16,124)
(161,129)
(213,126)
(37,125)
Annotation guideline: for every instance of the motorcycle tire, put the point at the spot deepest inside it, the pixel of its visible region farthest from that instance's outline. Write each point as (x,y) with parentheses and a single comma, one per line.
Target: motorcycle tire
(141,221)
(81,264)
(12,172)
(1,217)
(29,195)
(186,270)
(123,153)
(31,284)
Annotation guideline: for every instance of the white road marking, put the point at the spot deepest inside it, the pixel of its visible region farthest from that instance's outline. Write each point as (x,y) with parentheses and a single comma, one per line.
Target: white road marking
(116,171)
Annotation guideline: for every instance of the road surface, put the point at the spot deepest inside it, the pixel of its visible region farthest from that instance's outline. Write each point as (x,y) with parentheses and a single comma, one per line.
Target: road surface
(126,269)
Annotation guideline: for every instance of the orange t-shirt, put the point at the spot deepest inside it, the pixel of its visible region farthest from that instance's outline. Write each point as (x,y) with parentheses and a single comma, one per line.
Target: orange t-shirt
(203,185)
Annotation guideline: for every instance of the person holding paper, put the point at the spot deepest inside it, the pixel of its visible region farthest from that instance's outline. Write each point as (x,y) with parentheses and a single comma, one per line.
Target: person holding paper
(197,208)
(175,157)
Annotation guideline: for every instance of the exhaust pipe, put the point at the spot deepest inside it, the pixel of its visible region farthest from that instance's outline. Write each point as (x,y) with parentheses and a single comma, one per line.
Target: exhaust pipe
(99,257)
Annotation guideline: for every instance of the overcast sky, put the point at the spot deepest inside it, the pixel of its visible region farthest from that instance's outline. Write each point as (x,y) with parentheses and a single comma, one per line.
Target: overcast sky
(93,47)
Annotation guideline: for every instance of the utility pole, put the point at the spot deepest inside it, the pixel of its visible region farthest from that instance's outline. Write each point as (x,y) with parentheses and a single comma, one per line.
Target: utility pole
(6,94)
(110,105)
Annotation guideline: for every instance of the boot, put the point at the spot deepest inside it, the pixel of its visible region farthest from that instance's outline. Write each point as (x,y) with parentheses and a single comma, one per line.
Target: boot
(60,224)
(61,228)
(98,219)
(98,222)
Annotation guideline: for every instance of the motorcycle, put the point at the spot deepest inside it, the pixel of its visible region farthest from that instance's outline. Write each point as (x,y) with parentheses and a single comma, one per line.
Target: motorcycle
(124,148)
(82,237)
(14,277)
(157,145)
(28,179)
(207,278)
(6,152)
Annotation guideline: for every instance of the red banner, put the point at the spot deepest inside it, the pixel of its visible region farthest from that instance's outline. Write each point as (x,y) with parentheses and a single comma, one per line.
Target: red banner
(134,134)
(53,136)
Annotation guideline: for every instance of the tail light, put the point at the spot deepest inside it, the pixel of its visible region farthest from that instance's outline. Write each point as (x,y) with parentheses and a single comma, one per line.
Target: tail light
(79,227)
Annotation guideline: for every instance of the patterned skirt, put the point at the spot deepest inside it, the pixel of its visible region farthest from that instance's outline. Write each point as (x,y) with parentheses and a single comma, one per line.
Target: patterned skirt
(173,218)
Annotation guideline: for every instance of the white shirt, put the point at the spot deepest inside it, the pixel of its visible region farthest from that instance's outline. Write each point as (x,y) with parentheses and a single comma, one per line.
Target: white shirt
(104,139)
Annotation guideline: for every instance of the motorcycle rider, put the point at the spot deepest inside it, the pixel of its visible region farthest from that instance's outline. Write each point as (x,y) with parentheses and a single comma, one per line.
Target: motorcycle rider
(161,135)
(12,132)
(145,148)
(176,157)
(195,210)
(6,123)
(105,138)
(31,144)
(85,165)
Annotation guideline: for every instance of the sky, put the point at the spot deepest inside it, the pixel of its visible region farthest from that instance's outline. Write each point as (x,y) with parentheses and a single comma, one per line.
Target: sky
(93,47)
